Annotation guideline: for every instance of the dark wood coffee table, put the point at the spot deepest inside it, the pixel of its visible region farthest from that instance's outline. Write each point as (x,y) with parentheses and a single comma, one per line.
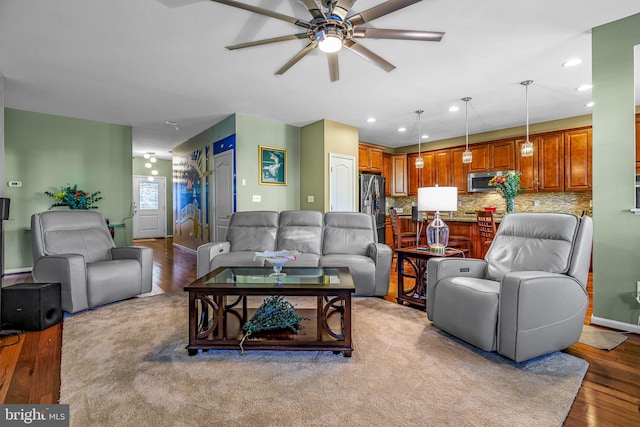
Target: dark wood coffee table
(218,309)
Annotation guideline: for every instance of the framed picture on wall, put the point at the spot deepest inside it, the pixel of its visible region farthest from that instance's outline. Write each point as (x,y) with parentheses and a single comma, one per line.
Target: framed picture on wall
(272,165)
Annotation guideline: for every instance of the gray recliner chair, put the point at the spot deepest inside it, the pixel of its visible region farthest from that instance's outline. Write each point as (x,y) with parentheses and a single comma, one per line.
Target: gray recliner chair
(74,248)
(527,297)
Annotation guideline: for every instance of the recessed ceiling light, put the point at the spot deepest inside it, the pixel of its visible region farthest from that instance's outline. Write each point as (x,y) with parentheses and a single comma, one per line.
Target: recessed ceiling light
(425,136)
(402,129)
(583,88)
(590,104)
(371,120)
(454,108)
(572,62)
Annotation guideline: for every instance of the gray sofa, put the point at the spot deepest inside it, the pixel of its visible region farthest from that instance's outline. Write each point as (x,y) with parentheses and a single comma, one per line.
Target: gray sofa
(74,248)
(527,297)
(335,239)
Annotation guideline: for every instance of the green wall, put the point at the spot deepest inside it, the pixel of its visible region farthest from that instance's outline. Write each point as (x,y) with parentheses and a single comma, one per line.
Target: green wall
(46,152)
(312,162)
(251,132)
(164,168)
(616,230)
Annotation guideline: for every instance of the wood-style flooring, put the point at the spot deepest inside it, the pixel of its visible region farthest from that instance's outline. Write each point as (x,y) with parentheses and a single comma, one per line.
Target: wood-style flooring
(30,363)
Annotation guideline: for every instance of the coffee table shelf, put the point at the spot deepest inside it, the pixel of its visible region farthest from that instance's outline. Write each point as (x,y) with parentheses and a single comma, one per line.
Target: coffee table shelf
(218,309)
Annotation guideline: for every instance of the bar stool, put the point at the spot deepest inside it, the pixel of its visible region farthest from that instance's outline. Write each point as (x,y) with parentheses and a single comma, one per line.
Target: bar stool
(487,230)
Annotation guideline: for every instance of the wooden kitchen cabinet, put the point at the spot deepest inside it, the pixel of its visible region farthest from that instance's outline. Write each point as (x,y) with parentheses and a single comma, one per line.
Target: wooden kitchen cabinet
(528,166)
(399,182)
(424,177)
(577,160)
(370,158)
(551,162)
(386,172)
(442,168)
(459,170)
(502,156)
(480,159)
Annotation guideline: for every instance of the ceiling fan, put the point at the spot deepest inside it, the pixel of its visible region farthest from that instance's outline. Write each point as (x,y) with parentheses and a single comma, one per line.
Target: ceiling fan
(331,28)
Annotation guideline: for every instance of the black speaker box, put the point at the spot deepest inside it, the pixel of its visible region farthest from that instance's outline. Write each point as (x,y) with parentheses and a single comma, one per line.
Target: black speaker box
(4,208)
(31,306)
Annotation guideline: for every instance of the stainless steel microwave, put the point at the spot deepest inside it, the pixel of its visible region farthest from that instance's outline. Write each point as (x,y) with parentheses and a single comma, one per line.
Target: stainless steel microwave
(479,182)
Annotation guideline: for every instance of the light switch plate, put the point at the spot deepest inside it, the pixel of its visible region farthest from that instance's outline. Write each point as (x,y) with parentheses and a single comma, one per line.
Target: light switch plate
(257,198)
(14,184)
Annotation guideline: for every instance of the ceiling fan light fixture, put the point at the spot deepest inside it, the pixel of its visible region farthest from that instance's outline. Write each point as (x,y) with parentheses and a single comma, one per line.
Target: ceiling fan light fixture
(329,40)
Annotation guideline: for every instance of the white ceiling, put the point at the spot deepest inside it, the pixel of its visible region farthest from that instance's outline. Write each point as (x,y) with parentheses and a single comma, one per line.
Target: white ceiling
(143,62)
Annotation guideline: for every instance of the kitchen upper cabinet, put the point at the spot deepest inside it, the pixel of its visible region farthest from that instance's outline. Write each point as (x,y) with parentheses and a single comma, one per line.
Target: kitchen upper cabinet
(528,166)
(459,170)
(424,177)
(551,162)
(399,184)
(370,158)
(386,172)
(577,160)
(502,155)
(480,159)
(442,168)
(395,171)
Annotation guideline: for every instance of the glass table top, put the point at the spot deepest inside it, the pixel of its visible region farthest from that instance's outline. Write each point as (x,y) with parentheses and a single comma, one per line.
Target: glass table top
(295,277)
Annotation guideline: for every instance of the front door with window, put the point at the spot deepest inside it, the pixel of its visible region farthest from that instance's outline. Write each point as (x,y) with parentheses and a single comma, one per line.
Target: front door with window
(149,207)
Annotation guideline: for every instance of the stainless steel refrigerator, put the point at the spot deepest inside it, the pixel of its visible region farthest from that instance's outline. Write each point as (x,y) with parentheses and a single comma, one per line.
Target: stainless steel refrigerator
(372,200)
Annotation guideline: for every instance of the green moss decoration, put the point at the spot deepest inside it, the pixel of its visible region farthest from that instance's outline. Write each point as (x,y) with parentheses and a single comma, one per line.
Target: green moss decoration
(273,313)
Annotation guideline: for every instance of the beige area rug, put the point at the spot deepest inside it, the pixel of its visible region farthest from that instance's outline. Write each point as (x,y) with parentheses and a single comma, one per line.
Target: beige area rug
(125,364)
(601,338)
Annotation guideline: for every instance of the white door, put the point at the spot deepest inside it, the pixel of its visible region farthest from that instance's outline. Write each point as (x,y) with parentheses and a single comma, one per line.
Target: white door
(223,174)
(149,207)
(342,182)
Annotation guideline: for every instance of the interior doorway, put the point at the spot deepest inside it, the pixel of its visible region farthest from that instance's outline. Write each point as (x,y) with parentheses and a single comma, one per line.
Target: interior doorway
(149,207)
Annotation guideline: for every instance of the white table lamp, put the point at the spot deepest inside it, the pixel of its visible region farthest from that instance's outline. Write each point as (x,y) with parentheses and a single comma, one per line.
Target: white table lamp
(437,199)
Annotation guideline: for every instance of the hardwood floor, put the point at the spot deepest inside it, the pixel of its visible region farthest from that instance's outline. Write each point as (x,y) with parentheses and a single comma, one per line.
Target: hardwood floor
(30,363)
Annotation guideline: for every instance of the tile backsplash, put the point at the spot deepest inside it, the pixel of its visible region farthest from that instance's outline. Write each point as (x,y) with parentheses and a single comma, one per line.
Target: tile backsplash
(571,202)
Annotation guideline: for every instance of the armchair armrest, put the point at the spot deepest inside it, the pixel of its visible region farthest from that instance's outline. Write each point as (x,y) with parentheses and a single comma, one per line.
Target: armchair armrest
(382,256)
(144,255)
(70,271)
(207,252)
(539,312)
(439,268)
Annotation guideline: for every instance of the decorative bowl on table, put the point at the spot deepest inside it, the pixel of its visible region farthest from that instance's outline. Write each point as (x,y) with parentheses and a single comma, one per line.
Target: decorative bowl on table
(277,266)
(277,259)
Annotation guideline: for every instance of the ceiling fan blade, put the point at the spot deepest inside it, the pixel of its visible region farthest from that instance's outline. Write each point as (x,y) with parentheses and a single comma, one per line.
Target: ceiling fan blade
(377,33)
(298,56)
(368,55)
(267,41)
(342,7)
(379,10)
(314,9)
(334,72)
(265,12)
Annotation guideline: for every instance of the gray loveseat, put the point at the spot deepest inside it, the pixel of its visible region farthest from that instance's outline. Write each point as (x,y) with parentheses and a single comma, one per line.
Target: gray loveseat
(335,239)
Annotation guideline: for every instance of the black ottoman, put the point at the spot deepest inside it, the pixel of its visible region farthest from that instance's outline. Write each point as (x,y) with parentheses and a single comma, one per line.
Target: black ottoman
(31,306)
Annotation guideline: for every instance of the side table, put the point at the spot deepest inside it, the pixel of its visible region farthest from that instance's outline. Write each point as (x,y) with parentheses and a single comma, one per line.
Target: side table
(417,258)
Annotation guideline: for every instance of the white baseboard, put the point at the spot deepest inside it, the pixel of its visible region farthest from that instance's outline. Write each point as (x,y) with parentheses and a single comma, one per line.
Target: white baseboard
(614,324)
(18,270)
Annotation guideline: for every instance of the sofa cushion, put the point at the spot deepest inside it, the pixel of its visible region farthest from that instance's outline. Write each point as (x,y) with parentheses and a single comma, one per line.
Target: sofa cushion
(300,231)
(253,231)
(109,281)
(348,233)
(304,260)
(361,267)
(236,259)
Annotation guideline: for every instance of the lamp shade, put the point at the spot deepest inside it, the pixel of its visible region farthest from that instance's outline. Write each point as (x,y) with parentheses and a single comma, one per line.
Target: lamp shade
(438,198)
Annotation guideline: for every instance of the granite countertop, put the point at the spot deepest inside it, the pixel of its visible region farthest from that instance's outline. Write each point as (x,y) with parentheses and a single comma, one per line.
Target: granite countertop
(462,217)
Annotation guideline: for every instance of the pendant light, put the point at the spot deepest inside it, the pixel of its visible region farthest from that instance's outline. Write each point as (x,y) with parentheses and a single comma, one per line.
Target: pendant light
(527,147)
(467,156)
(419,160)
